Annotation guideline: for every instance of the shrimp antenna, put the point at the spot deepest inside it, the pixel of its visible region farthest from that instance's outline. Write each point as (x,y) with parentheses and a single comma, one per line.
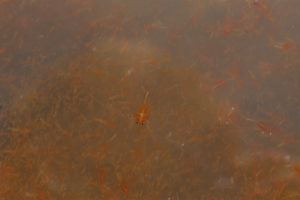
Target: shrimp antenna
(146,96)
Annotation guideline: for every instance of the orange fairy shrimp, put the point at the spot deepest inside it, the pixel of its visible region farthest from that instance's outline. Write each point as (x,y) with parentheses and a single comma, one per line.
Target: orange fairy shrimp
(260,5)
(143,114)
(262,126)
(219,84)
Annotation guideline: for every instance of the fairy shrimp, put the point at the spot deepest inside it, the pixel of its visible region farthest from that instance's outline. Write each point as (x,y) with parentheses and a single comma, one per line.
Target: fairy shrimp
(143,113)
(264,128)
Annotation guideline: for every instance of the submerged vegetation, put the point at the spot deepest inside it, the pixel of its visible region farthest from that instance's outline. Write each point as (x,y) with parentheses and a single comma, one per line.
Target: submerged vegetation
(75,137)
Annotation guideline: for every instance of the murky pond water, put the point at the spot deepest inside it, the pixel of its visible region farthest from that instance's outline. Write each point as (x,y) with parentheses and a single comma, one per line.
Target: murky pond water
(157,99)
